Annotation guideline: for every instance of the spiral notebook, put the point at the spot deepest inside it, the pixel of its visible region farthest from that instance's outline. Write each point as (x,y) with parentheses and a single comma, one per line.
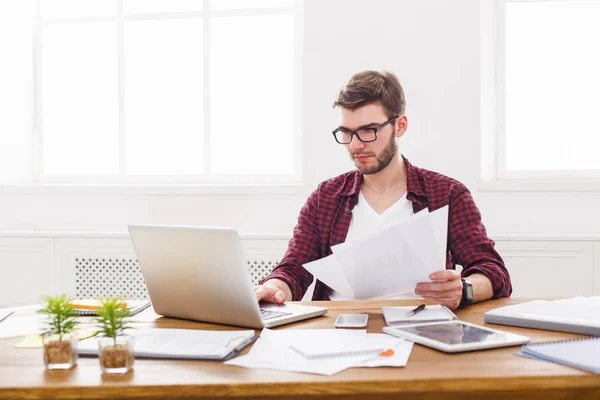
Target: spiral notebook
(90,307)
(368,344)
(578,353)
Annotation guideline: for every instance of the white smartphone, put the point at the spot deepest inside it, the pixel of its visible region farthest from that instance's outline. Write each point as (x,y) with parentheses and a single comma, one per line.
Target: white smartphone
(351,321)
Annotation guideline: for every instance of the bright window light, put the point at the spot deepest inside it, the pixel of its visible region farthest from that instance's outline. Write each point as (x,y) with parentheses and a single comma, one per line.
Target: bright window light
(149,91)
(251,118)
(163,97)
(552,85)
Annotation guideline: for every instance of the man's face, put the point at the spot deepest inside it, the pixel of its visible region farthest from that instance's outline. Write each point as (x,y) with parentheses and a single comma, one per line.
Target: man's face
(371,157)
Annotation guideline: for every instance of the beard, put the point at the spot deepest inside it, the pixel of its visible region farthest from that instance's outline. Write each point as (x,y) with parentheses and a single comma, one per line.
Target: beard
(383,159)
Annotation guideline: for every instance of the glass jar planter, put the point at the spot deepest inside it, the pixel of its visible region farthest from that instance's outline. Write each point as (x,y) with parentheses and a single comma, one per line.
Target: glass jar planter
(60,351)
(116,355)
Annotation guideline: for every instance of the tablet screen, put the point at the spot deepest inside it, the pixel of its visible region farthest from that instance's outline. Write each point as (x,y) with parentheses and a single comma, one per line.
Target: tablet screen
(454,333)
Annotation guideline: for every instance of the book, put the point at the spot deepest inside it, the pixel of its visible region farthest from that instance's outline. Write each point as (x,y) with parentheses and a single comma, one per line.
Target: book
(90,307)
(578,353)
(191,344)
(434,313)
(578,315)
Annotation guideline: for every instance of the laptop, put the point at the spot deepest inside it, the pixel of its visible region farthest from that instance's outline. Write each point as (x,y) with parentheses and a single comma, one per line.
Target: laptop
(201,274)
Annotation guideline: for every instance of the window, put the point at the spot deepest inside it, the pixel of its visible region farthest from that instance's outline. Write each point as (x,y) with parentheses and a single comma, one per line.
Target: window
(548,86)
(160,91)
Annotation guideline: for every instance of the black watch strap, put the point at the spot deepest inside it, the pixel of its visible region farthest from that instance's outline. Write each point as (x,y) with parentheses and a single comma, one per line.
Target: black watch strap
(467,293)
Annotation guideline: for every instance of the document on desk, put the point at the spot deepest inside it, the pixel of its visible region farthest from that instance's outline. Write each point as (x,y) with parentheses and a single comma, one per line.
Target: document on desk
(388,262)
(21,321)
(274,350)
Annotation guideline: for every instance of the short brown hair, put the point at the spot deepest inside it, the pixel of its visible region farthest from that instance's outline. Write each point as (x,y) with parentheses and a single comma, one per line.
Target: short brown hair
(368,87)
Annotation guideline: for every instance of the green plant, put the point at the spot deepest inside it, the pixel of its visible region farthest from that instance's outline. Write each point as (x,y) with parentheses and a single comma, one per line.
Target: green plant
(111,318)
(61,315)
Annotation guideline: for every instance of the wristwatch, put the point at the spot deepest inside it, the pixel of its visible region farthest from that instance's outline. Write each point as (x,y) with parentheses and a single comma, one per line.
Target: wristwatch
(467,293)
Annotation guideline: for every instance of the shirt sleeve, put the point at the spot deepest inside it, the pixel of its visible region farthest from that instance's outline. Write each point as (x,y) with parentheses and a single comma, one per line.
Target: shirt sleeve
(302,248)
(472,248)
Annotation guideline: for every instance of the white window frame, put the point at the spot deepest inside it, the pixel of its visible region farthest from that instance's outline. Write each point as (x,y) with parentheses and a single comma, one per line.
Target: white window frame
(495,176)
(177,184)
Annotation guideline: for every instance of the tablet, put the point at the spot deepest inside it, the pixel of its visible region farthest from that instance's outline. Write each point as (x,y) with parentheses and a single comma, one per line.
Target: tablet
(456,336)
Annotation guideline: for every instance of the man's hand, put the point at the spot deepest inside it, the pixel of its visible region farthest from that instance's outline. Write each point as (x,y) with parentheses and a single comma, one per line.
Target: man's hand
(271,291)
(446,293)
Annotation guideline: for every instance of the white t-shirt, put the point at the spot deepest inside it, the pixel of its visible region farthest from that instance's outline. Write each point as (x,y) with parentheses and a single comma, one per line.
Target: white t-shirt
(365,221)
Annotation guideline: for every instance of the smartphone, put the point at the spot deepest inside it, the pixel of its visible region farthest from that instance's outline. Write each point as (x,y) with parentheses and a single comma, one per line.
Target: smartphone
(351,321)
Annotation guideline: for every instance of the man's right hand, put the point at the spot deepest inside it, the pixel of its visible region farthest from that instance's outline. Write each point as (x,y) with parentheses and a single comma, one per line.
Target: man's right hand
(273,292)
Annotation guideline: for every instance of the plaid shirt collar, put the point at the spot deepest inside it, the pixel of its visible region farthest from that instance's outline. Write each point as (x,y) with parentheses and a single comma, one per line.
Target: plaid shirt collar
(415,187)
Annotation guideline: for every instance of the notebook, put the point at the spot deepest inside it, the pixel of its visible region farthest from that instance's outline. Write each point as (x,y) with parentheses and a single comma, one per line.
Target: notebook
(346,346)
(192,344)
(90,307)
(577,315)
(579,353)
(433,313)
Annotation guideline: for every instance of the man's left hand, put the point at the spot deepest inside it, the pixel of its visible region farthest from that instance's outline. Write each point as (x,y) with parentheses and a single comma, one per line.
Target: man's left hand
(446,293)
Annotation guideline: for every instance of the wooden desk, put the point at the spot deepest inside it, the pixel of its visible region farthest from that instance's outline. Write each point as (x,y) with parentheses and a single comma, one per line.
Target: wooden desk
(491,374)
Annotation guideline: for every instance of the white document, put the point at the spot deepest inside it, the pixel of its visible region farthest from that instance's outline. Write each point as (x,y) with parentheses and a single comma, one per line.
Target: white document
(329,271)
(179,343)
(23,321)
(388,262)
(272,351)
(15,326)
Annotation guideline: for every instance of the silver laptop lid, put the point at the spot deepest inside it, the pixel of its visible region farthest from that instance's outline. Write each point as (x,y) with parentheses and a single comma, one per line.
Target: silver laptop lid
(196,273)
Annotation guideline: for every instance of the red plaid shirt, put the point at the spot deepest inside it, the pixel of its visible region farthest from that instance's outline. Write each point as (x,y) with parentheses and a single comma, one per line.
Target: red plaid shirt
(325,218)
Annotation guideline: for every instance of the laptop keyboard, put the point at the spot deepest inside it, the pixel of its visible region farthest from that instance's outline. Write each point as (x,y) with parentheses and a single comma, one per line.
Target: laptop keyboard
(270,314)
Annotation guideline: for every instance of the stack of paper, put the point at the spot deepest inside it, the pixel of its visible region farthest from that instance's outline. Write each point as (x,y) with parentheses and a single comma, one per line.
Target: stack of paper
(278,350)
(577,315)
(388,262)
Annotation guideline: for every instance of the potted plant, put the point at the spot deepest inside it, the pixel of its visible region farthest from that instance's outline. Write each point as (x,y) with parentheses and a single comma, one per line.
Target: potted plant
(59,338)
(115,350)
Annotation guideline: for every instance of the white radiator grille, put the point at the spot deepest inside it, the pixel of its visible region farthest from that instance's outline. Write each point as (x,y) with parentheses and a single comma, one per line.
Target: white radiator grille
(260,268)
(109,277)
(98,277)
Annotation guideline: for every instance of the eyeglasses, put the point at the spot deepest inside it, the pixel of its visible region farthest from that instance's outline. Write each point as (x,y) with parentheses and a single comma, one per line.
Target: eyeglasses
(365,135)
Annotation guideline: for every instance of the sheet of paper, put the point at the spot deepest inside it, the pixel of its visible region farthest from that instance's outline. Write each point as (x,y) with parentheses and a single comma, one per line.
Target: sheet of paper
(15,326)
(328,271)
(35,341)
(391,261)
(272,351)
(26,321)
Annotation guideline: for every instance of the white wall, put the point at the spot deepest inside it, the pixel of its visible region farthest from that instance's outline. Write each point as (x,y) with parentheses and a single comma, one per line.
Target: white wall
(432,45)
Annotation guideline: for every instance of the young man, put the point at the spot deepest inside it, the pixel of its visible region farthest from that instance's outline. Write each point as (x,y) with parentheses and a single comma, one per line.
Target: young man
(385,188)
